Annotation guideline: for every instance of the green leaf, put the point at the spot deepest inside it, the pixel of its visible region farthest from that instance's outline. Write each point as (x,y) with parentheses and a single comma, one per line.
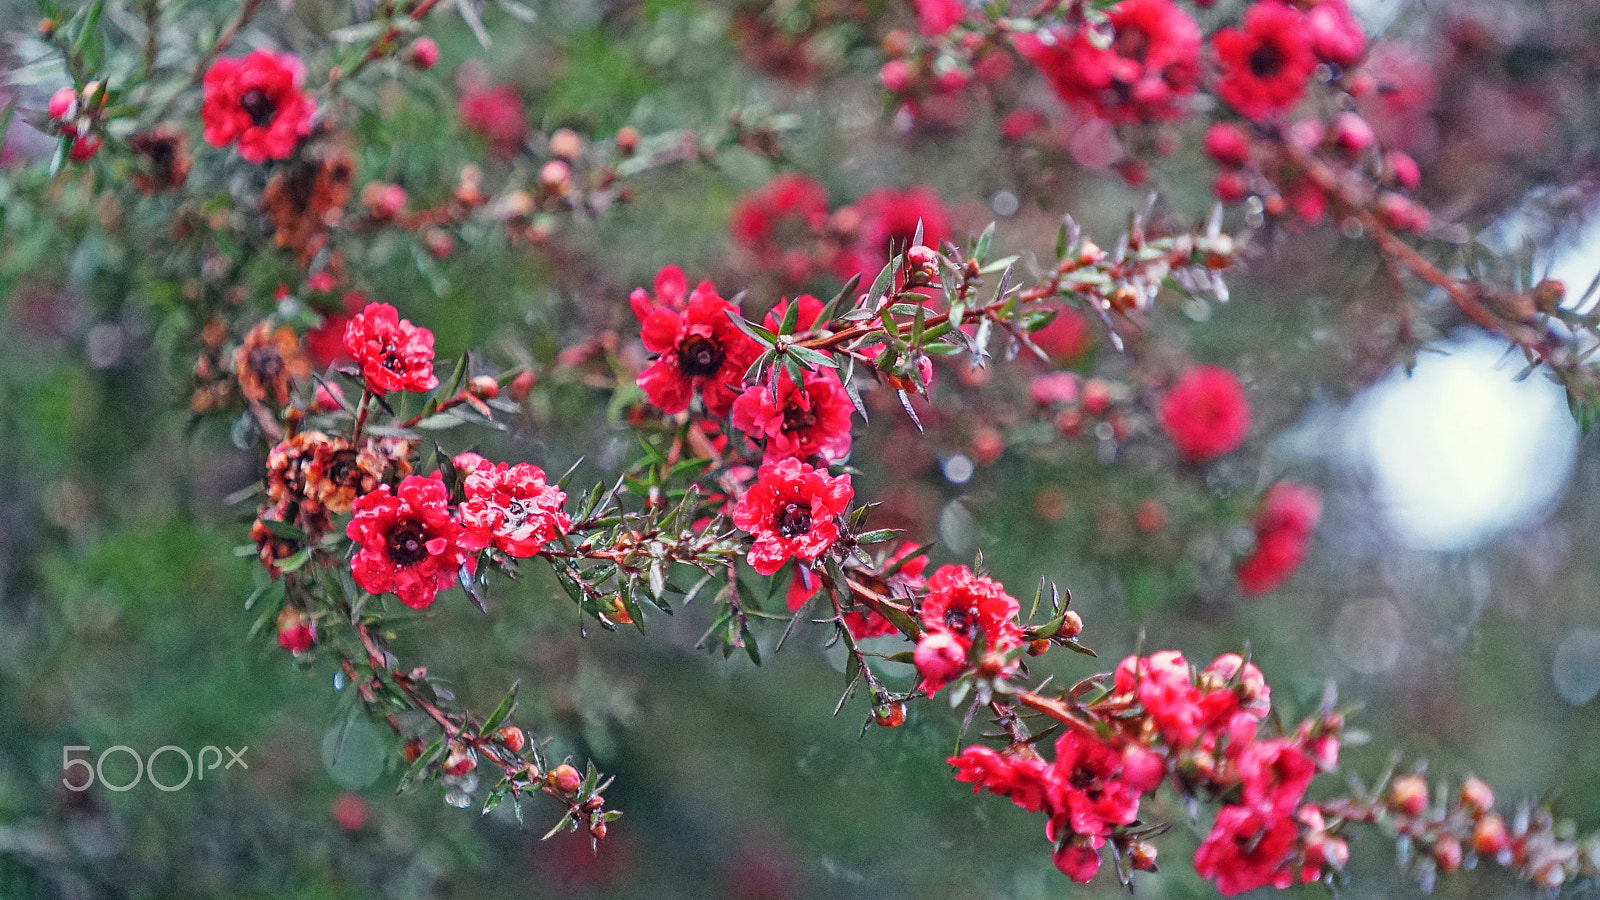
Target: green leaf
(831,308)
(507,704)
(981,249)
(755,332)
(880,285)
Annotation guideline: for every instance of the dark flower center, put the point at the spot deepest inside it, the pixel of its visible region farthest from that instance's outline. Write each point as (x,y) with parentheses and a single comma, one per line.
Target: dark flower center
(958,620)
(258,106)
(407,543)
(1265,61)
(1082,777)
(699,356)
(1131,43)
(342,469)
(796,418)
(793,520)
(267,362)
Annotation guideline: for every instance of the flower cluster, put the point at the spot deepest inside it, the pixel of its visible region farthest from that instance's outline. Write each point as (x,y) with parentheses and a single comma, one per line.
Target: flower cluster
(511,508)
(787,227)
(1160,718)
(1146,74)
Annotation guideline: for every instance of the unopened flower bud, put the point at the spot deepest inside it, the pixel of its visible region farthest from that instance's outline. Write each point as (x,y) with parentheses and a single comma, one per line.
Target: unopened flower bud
(423,53)
(384,201)
(460,760)
(566,144)
(297,632)
(439,243)
(412,751)
(1071,625)
(521,385)
(556,177)
(598,831)
(1351,133)
(628,140)
(922,265)
(565,779)
(84,147)
(1477,797)
(1142,856)
(1447,854)
(895,76)
(63,104)
(940,656)
(1409,794)
(1548,294)
(1489,836)
(890,715)
(512,738)
(329,397)
(484,387)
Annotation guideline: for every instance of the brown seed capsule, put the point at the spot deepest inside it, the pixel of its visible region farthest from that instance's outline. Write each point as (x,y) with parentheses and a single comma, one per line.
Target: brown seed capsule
(1038,647)
(890,715)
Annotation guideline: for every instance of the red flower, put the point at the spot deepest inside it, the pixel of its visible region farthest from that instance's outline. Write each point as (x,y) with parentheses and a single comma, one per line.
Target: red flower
(1205,413)
(512,508)
(496,114)
(1152,65)
(761,222)
(256,100)
(1087,794)
(1265,66)
(1335,34)
(793,510)
(804,320)
(394,354)
(325,343)
(1274,775)
(1020,776)
(964,604)
(1247,850)
(1165,688)
(1079,859)
(935,17)
(1066,337)
(409,543)
(881,218)
(806,421)
(1283,535)
(1232,685)
(701,349)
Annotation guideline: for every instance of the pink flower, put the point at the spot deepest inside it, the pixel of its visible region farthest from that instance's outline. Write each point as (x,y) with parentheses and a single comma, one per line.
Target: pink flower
(1247,850)
(762,220)
(394,354)
(935,17)
(1021,776)
(808,421)
(1087,794)
(940,658)
(408,541)
(1284,528)
(256,100)
(1265,66)
(882,218)
(965,604)
(701,350)
(793,511)
(1151,67)
(496,114)
(1205,413)
(512,508)
(1274,775)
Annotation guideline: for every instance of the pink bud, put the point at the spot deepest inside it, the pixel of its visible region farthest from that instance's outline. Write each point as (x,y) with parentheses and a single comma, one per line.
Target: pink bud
(424,53)
(940,657)
(63,104)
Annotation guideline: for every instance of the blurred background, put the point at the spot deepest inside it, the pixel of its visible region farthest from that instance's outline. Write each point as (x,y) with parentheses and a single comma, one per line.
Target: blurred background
(1451,593)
